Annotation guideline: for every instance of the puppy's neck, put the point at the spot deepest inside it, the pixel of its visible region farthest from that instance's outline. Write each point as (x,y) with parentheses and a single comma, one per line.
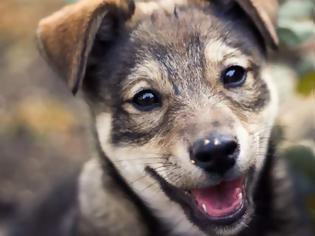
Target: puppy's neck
(104,208)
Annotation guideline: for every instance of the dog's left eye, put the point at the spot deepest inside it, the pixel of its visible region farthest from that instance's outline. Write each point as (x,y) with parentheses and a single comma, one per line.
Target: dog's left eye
(234,76)
(146,100)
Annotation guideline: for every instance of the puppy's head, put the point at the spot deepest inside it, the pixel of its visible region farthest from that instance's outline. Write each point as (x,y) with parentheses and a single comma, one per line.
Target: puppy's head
(182,104)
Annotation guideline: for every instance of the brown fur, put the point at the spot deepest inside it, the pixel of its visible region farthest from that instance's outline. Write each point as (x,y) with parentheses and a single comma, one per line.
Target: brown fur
(66,37)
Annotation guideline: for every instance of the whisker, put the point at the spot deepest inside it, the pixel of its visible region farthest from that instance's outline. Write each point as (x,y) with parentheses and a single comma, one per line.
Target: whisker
(149,186)
(158,170)
(137,179)
(162,167)
(176,178)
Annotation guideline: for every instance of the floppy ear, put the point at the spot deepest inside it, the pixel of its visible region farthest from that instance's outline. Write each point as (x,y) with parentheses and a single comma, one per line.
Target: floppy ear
(263,14)
(66,37)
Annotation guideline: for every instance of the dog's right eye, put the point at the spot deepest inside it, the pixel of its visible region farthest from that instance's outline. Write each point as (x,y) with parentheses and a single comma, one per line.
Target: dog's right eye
(146,100)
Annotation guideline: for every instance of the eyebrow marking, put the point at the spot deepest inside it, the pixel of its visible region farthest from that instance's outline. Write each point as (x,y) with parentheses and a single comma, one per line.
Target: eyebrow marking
(216,52)
(150,73)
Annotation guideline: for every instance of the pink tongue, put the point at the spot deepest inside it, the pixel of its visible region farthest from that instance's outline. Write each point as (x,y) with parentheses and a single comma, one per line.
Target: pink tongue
(221,200)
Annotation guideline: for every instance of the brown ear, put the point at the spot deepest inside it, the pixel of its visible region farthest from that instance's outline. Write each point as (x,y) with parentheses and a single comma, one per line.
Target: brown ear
(66,37)
(263,13)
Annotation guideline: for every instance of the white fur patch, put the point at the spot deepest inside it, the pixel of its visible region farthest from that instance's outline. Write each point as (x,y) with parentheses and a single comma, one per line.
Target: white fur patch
(216,51)
(102,209)
(130,162)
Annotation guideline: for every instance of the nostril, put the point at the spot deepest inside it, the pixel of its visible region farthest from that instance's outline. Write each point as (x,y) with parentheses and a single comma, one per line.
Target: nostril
(229,147)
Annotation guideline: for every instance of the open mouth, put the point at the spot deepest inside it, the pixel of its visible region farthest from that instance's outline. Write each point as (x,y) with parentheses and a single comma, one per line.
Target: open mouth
(220,201)
(223,204)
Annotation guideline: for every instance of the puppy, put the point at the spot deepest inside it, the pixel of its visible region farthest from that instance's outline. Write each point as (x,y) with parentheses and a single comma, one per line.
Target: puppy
(182,109)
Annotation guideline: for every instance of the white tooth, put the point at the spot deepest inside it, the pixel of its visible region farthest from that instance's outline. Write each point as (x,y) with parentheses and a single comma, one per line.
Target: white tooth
(204,207)
(240,195)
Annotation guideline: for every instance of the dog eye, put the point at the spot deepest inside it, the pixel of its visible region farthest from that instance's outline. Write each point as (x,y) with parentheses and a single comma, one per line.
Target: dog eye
(146,100)
(234,76)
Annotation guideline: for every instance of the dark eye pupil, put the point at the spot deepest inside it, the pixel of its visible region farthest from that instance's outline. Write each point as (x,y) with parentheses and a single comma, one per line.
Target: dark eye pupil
(234,76)
(146,100)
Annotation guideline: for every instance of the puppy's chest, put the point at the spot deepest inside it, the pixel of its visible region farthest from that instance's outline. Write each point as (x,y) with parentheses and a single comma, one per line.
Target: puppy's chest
(104,207)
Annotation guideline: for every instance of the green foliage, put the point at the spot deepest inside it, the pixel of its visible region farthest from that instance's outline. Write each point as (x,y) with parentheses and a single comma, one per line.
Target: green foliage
(306,85)
(303,160)
(295,23)
(296,29)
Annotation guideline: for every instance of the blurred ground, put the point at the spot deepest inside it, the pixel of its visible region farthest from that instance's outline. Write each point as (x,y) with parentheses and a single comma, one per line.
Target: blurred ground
(43,133)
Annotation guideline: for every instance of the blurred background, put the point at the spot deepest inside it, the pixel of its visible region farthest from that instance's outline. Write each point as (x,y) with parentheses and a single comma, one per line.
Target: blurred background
(43,128)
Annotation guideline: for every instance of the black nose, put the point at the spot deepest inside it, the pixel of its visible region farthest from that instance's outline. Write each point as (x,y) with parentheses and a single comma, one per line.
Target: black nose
(216,153)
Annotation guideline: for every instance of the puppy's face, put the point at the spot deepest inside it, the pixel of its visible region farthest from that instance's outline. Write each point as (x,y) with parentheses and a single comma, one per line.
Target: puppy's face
(183,109)
(181,101)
